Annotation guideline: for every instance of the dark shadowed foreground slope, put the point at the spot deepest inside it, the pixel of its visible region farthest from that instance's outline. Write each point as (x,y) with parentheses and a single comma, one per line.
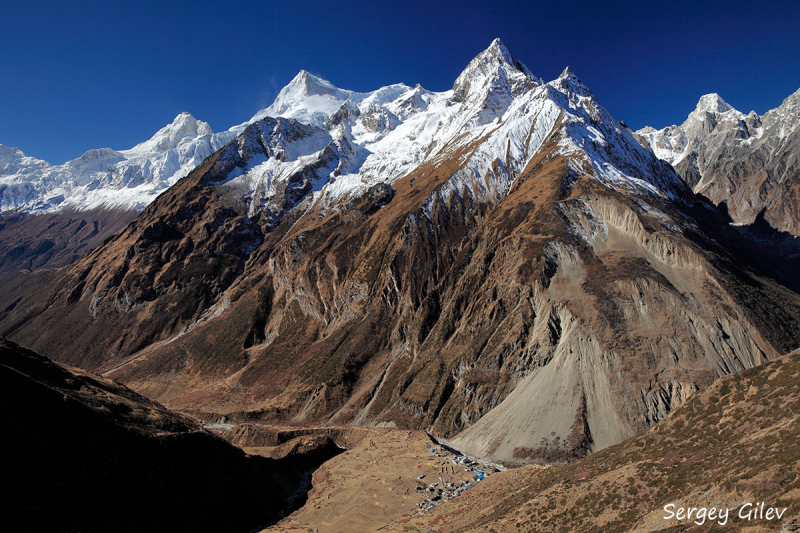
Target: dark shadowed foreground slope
(83,453)
(735,442)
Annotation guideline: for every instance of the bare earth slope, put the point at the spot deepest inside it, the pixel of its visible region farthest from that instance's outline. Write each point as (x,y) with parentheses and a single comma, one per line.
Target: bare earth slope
(52,240)
(735,442)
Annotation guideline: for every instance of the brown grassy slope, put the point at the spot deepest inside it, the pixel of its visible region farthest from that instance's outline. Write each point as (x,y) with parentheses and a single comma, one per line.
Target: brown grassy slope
(374,483)
(736,441)
(54,240)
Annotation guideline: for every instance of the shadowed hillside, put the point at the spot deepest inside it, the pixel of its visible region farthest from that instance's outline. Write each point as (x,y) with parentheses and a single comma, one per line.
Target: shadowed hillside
(87,454)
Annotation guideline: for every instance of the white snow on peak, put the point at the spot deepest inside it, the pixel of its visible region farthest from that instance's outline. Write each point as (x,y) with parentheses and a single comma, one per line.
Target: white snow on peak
(715,127)
(567,73)
(184,128)
(492,80)
(713,103)
(379,136)
(593,134)
(106,178)
(324,144)
(13,161)
(498,114)
(674,143)
(306,98)
(493,62)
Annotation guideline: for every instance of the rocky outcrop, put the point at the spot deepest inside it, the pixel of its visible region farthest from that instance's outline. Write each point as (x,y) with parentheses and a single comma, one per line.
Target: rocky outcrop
(747,162)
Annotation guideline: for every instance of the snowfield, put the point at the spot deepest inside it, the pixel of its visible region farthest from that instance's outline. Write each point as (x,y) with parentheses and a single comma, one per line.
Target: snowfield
(323,144)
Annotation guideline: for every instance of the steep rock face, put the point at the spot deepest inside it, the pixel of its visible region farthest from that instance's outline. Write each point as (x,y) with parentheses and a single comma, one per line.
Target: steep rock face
(748,162)
(91,455)
(534,284)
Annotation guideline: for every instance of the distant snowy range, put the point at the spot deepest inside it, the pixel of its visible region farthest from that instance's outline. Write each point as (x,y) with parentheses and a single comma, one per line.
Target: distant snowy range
(377,137)
(106,178)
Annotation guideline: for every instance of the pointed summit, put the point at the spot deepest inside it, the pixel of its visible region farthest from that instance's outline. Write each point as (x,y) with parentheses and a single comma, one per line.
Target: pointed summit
(307,98)
(570,84)
(499,50)
(13,160)
(185,124)
(496,56)
(497,43)
(184,128)
(713,103)
(307,84)
(568,73)
(494,67)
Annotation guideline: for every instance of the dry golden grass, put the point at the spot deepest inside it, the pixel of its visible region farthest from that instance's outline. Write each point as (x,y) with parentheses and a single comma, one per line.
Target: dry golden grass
(736,441)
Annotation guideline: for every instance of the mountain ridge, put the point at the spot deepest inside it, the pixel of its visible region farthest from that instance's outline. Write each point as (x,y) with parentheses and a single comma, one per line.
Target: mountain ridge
(749,162)
(104,178)
(427,261)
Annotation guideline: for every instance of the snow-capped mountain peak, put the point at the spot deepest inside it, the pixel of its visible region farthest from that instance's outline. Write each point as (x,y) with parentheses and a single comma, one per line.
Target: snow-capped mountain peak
(713,103)
(497,55)
(717,149)
(13,160)
(184,128)
(310,85)
(493,70)
(355,141)
(674,143)
(106,178)
(570,84)
(332,144)
(568,73)
(306,98)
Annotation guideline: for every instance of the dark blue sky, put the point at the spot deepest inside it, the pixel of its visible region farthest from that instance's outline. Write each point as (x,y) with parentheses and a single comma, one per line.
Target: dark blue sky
(81,75)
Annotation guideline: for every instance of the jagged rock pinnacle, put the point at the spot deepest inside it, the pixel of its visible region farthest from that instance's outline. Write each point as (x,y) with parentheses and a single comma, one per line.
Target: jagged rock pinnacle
(567,73)
(714,103)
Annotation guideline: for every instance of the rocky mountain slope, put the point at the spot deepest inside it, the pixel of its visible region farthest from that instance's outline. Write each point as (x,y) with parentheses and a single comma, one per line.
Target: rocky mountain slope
(91,455)
(749,162)
(732,444)
(52,240)
(502,264)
